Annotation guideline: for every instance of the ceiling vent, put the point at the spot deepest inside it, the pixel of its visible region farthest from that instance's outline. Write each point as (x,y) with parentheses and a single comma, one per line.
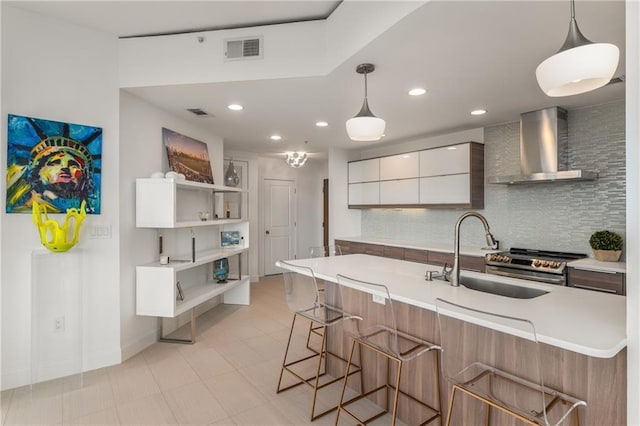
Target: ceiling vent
(199,112)
(243,48)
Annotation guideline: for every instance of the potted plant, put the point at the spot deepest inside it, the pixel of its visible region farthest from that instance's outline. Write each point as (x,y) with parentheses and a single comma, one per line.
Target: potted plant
(606,245)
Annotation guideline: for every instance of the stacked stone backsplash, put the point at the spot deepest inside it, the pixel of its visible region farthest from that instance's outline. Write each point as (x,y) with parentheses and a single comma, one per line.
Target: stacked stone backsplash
(552,216)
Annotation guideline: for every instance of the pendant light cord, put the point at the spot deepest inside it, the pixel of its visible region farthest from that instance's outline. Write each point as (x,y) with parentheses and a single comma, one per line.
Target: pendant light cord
(365,85)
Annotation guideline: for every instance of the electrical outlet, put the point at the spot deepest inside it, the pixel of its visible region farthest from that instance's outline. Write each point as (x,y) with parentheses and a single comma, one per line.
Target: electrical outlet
(58,325)
(378,299)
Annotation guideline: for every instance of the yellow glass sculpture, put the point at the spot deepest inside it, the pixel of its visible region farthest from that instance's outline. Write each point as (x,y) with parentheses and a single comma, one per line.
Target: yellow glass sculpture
(52,235)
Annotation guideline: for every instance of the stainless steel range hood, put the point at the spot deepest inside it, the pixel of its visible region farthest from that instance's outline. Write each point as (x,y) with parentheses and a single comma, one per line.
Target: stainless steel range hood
(543,150)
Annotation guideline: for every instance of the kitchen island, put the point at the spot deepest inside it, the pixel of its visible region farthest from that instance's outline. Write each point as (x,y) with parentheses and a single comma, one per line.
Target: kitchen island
(583,334)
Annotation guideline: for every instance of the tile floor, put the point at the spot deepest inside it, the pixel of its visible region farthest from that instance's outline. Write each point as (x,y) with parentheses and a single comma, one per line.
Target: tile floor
(228,377)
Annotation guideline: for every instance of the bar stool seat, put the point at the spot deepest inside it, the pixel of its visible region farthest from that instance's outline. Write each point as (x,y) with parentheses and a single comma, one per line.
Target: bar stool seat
(379,333)
(469,364)
(303,298)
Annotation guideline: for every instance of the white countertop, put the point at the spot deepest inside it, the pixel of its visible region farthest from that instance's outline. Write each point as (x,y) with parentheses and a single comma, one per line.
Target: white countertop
(590,264)
(438,247)
(586,322)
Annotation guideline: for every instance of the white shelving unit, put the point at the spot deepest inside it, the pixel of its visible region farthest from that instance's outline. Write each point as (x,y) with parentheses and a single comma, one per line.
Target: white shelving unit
(170,206)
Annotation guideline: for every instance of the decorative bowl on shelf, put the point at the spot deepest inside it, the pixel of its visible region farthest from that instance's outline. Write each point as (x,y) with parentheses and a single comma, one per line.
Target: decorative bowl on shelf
(221,270)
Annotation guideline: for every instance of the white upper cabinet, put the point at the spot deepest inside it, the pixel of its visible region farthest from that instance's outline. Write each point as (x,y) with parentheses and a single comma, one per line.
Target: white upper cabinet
(402,166)
(367,193)
(448,160)
(444,177)
(399,192)
(364,171)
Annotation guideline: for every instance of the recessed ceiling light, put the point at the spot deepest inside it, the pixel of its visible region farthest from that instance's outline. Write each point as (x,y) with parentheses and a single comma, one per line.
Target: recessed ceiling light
(478,111)
(235,107)
(275,137)
(322,124)
(418,91)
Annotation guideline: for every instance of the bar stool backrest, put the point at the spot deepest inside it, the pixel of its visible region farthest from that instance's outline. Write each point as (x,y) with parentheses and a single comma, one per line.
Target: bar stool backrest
(302,295)
(378,324)
(325,251)
(475,355)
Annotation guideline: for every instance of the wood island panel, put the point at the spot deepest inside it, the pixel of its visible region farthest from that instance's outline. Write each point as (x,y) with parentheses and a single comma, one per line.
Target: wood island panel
(601,382)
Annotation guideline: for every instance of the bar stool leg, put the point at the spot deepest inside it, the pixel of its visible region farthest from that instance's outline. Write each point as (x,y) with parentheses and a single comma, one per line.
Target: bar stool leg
(395,397)
(451,401)
(323,351)
(346,377)
(286,352)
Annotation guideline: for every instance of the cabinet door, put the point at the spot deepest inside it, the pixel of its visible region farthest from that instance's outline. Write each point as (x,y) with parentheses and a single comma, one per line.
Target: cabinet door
(400,166)
(394,192)
(393,252)
(453,189)
(595,280)
(364,193)
(416,255)
(447,160)
(364,171)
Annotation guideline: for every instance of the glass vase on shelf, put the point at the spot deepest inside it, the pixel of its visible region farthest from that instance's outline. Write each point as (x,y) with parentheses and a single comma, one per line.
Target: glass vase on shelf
(231,177)
(221,270)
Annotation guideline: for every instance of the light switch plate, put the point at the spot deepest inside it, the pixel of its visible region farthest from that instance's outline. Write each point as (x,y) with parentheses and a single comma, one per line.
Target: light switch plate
(378,299)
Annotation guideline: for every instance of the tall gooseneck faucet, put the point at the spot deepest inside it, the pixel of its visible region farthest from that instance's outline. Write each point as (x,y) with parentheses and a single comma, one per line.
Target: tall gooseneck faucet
(455,271)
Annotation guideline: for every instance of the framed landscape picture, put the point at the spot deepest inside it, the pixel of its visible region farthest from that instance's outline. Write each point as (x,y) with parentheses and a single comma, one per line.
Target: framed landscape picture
(229,238)
(187,156)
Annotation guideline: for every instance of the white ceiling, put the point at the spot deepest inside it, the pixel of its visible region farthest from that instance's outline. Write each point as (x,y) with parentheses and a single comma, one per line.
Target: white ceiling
(467,54)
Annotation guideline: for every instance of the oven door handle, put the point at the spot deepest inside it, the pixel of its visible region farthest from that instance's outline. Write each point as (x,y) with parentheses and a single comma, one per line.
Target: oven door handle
(558,281)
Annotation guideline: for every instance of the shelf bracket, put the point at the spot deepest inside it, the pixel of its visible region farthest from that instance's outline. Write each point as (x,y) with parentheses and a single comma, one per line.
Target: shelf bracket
(183,341)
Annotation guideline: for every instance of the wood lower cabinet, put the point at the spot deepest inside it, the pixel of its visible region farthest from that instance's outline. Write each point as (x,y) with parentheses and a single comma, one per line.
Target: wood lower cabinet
(415,255)
(469,263)
(608,282)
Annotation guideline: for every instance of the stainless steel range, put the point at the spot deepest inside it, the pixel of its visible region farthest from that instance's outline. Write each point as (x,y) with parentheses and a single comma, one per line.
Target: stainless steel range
(539,265)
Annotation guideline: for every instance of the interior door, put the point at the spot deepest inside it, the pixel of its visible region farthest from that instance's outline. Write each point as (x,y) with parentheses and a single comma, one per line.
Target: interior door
(279,223)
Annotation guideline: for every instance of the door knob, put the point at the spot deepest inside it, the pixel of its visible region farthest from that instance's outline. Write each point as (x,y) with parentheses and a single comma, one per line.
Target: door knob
(267,232)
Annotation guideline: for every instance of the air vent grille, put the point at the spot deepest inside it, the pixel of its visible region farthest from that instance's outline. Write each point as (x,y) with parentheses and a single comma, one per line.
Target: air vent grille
(197,111)
(245,48)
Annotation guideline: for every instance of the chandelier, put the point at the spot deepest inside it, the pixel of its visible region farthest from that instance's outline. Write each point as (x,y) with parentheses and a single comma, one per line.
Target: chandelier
(296,159)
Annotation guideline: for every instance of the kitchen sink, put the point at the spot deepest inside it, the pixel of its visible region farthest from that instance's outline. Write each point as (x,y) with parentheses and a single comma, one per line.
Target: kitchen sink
(506,290)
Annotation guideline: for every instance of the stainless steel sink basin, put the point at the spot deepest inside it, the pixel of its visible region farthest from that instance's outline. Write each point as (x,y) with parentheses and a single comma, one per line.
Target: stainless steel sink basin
(488,286)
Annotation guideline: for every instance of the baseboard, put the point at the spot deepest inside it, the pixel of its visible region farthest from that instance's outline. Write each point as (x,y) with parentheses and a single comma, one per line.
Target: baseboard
(138,345)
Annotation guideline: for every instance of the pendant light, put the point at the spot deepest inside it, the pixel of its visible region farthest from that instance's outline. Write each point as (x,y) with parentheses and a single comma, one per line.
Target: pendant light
(579,66)
(365,126)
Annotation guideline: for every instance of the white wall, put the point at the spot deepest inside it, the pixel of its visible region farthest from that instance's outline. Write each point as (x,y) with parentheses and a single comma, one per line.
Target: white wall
(633,212)
(143,153)
(62,72)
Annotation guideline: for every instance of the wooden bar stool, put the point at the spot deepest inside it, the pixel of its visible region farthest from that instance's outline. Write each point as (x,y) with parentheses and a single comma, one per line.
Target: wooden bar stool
(470,357)
(379,333)
(303,298)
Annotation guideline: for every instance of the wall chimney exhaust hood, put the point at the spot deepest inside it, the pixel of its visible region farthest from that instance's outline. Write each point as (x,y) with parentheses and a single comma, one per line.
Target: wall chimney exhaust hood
(544,150)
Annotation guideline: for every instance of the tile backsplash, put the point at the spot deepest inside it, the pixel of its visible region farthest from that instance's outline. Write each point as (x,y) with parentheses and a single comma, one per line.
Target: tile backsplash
(553,216)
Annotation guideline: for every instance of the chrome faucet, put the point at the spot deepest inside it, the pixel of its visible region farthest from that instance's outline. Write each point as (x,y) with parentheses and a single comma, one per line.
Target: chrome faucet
(455,272)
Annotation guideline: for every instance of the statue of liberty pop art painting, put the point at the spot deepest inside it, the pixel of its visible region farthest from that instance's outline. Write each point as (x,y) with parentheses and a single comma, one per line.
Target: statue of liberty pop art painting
(56,164)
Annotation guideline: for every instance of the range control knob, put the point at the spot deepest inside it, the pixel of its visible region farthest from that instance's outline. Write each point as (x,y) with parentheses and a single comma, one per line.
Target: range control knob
(535,263)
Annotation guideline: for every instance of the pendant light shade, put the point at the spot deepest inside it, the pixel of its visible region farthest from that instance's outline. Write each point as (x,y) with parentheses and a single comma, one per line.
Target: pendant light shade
(365,126)
(579,66)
